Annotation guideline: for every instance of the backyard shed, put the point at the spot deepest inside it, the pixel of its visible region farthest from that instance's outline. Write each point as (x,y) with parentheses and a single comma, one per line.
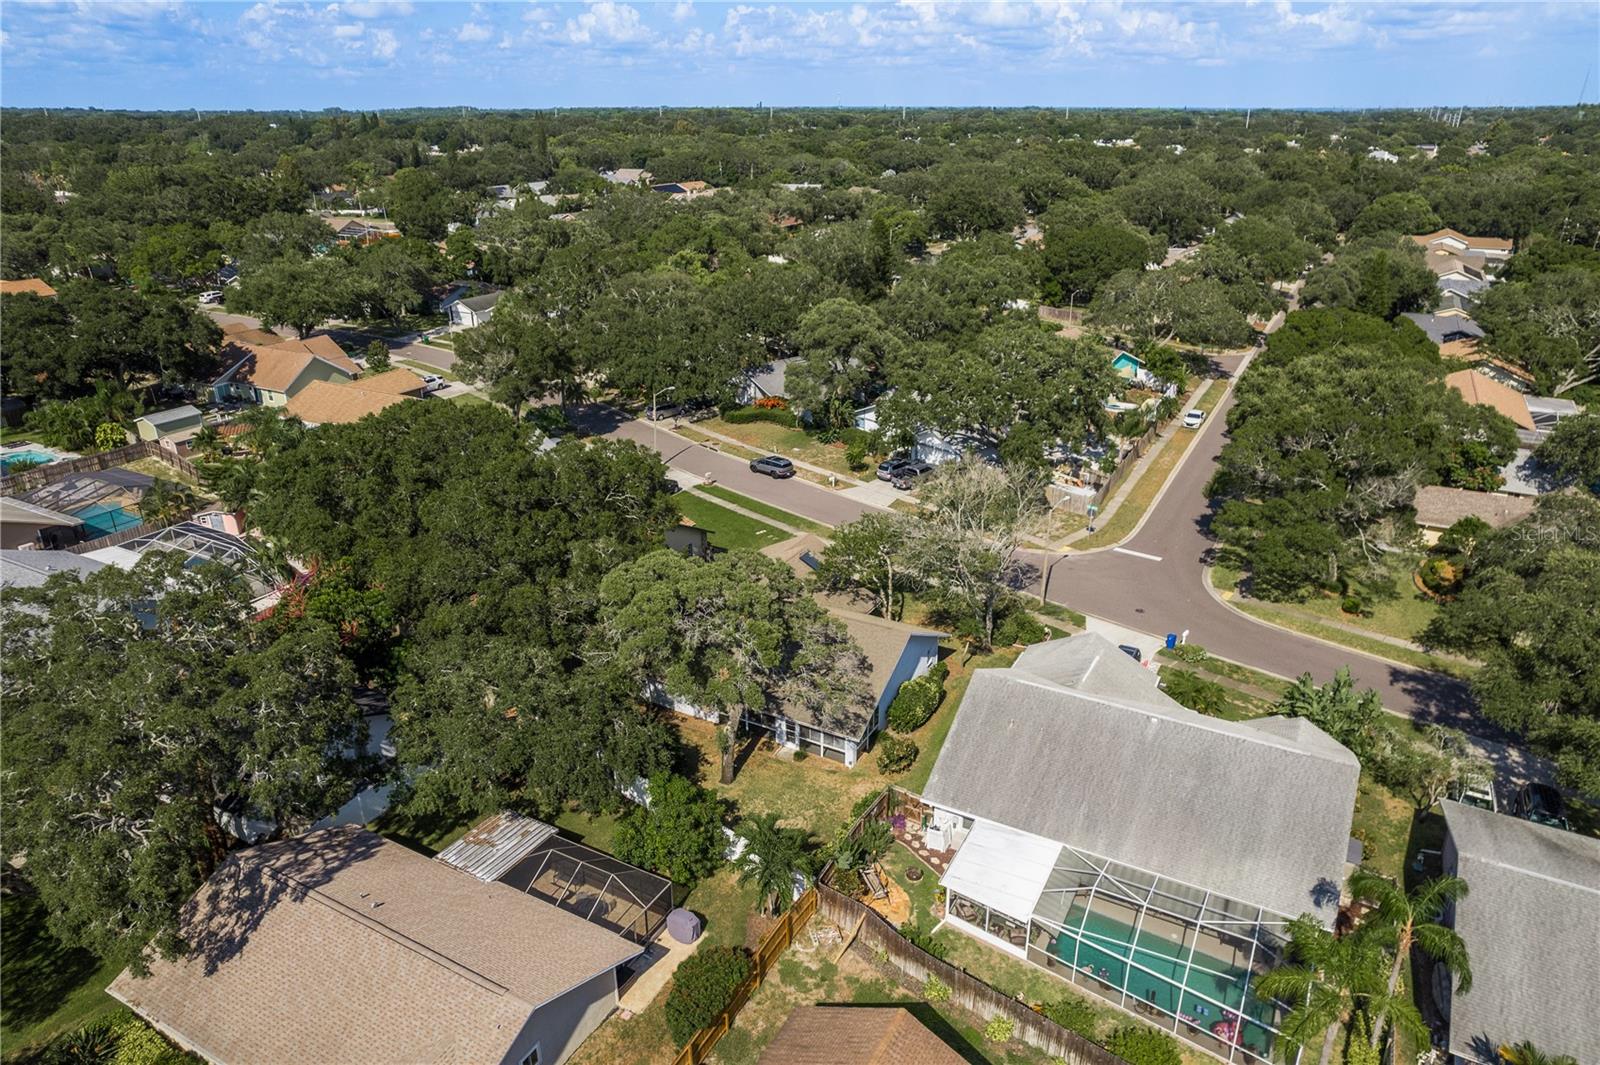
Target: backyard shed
(181,421)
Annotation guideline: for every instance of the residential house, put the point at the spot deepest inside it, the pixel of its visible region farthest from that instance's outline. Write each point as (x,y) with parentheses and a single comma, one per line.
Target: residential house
(895,653)
(767,381)
(178,423)
(343,946)
(1427,151)
(1382,156)
(1147,853)
(273,374)
(26,286)
(1526,476)
(469,311)
(683,190)
(1546,411)
(200,543)
(1446,326)
(1531,922)
(932,445)
(1439,507)
(24,524)
(1459,279)
(1492,249)
(532,856)
(344,402)
(1485,391)
(861,1035)
(686,538)
(360,229)
(628,175)
(25,568)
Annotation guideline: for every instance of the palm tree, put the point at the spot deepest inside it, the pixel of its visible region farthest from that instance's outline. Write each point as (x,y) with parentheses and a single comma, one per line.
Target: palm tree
(772,858)
(1525,1053)
(208,442)
(1331,980)
(1402,920)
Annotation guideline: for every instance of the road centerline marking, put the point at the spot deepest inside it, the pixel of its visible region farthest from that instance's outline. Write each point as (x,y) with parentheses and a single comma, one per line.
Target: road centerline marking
(1136,554)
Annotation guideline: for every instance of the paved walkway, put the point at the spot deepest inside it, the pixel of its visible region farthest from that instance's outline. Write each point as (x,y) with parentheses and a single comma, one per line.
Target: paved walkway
(764,519)
(876,493)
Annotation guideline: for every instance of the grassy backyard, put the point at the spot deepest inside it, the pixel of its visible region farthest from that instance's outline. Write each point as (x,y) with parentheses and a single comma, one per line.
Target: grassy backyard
(45,988)
(767,510)
(727,529)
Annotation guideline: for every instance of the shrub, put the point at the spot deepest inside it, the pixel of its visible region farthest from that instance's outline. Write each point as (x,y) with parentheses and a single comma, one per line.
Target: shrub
(771,403)
(1192,653)
(746,415)
(915,702)
(1194,691)
(940,671)
(859,807)
(702,987)
(848,881)
(1139,1045)
(1439,575)
(855,455)
(1000,1029)
(875,839)
(926,941)
(896,755)
(800,754)
(140,1044)
(1019,626)
(1073,1014)
(1351,605)
(935,990)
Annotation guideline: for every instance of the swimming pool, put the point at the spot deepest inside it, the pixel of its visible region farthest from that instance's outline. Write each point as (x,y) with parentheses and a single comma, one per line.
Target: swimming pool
(103,519)
(32,458)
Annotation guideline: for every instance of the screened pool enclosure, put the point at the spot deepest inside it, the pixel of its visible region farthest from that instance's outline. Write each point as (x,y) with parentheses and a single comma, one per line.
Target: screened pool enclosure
(1183,958)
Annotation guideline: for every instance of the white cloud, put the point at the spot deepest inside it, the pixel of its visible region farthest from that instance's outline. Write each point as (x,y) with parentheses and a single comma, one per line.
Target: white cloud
(473,32)
(607,22)
(385,44)
(349,29)
(376,8)
(683,11)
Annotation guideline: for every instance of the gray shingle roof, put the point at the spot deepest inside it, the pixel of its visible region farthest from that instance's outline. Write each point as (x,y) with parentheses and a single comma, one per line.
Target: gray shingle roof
(30,569)
(1258,812)
(481,303)
(1443,327)
(176,414)
(1531,922)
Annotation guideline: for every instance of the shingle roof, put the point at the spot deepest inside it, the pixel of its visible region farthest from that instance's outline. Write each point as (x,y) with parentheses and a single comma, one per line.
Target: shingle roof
(175,414)
(396,382)
(338,403)
(30,569)
(1443,327)
(1475,243)
(1256,811)
(1531,922)
(1485,391)
(770,379)
(275,367)
(861,1035)
(31,286)
(341,946)
(882,641)
(1439,507)
(481,303)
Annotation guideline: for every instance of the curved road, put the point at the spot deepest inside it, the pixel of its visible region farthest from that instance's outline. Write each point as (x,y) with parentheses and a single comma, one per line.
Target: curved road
(1163,588)
(1160,589)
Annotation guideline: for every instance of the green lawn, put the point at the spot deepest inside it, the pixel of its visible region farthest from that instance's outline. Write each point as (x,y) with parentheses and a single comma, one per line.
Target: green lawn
(426,368)
(469,399)
(766,510)
(727,529)
(769,438)
(45,988)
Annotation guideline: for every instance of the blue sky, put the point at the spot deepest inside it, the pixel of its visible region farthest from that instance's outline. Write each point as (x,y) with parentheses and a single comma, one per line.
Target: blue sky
(217,56)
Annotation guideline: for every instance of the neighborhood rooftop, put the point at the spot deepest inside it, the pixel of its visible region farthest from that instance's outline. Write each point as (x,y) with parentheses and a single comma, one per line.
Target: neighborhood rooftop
(1075,746)
(861,1035)
(1531,919)
(425,963)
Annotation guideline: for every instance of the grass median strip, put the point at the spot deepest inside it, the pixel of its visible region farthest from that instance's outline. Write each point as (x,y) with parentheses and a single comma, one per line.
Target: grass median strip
(767,510)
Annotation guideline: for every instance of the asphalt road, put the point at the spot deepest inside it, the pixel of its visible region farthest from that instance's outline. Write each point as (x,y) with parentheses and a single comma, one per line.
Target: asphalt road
(794,494)
(1155,582)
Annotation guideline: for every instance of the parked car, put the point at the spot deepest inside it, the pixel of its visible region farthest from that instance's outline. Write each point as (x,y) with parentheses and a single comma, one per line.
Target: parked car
(906,476)
(672,487)
(1193,419)
(891,466)
(213,296)
(1475,792)
(773,466)
(1541,804)
(431,382)
(1131,651)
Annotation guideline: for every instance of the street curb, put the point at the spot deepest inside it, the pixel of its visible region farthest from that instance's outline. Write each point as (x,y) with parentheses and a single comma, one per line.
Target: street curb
(699,490)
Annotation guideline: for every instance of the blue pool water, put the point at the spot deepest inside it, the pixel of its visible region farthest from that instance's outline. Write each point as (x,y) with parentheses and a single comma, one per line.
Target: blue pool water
(103,519)
(31,457)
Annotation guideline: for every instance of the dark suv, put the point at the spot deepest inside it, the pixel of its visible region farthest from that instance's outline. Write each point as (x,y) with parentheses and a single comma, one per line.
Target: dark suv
(773,466)
(1541,804)
(889,467)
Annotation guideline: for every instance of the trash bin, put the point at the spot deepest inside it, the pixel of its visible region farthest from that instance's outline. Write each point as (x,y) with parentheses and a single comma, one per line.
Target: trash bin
(1172,640)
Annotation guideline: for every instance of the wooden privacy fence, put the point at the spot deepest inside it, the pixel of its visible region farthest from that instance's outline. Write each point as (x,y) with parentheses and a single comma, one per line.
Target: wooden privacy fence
(916,965)
(773,944)
(39,476)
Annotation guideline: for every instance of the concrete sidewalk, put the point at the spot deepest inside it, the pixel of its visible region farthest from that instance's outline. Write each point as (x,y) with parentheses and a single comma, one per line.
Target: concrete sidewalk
(724,438)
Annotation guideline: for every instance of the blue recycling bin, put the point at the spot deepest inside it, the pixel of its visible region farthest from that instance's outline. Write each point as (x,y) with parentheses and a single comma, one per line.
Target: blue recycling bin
(1172,640)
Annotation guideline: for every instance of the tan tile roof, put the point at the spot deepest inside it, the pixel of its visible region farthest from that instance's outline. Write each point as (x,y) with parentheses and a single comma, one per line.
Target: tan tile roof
(395,382)
(274,367)
(1476,388)
(860,1035)
(26,286)
(1475,243)
(341,946)
(336,403)
(1440,508)
(326,348)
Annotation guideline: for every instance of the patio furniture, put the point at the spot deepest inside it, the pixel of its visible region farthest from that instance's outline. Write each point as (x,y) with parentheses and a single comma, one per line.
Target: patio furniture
(683,925)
